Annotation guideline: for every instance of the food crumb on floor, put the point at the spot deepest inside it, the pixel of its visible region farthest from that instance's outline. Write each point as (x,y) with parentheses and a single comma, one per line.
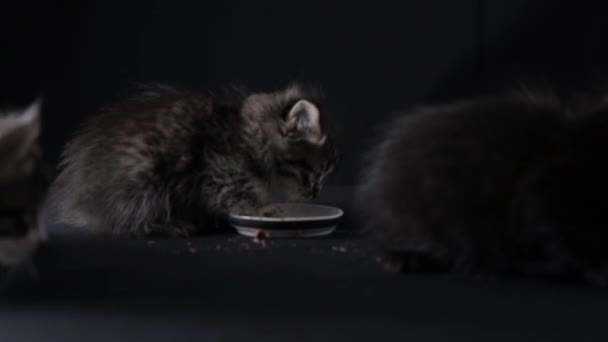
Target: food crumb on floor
(260,238)
(260,242)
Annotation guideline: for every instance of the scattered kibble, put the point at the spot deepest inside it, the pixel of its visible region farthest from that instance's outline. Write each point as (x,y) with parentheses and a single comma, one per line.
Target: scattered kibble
(260,234)
(260,237)
(260,242)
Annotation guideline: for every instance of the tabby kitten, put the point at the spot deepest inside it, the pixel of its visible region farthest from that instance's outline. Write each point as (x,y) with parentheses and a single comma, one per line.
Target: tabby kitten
(507,184)
(174,162)
(24,178)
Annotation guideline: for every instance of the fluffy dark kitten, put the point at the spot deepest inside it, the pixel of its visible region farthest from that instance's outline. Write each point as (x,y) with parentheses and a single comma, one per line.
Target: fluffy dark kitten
(507,184)
(24,178)
(174,162)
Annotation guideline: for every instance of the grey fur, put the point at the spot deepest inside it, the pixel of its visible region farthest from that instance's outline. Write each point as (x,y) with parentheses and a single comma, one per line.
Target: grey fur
(174,162)
(24,179)
(513,183)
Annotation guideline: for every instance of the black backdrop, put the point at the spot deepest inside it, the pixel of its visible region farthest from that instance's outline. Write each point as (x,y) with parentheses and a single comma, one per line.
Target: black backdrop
(372,57)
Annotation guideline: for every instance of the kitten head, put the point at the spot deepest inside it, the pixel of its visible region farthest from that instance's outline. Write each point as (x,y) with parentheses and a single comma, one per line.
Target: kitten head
(291,138)
(19,132)
(23,178)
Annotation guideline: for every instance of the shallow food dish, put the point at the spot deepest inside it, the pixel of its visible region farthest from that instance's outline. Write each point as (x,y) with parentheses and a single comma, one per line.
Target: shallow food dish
(288,220)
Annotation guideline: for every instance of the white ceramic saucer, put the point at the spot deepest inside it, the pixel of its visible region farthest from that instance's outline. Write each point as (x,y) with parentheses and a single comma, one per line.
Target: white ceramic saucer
(291,220)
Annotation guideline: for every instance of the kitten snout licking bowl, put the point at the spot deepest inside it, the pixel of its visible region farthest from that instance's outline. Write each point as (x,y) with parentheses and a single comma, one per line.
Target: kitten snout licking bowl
(288,220)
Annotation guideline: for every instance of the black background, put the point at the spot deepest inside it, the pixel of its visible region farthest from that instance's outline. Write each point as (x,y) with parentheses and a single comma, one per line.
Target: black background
(371,57)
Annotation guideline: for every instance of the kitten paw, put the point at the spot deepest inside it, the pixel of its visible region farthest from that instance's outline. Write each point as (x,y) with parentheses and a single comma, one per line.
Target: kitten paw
(169,229)
(412,262)
(598,278)
(14,276)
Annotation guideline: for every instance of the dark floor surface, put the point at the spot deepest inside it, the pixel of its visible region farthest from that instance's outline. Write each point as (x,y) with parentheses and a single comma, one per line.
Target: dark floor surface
(228,288)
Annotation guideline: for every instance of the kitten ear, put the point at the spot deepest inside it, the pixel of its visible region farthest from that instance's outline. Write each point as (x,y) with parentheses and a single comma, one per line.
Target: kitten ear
(303,122)
(20,130)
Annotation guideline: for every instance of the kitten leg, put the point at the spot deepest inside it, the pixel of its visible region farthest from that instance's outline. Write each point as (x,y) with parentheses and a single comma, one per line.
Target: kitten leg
(173,229)
(16,258)
(247,199)
(597,276)
(139,213)
(15,250)
(11,277)
(485,267)
(413,262)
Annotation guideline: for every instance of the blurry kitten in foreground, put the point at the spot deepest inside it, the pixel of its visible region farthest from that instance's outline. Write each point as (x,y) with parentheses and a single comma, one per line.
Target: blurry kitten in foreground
(508,184)
(173,162)
(24,178)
